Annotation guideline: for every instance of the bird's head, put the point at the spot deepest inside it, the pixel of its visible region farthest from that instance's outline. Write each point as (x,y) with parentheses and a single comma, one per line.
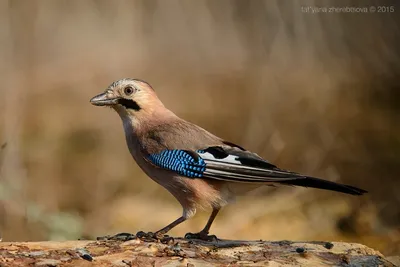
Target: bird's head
(133,99)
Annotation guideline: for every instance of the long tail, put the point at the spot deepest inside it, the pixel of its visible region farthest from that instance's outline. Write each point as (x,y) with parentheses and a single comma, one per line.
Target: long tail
(248,169)
(326,185)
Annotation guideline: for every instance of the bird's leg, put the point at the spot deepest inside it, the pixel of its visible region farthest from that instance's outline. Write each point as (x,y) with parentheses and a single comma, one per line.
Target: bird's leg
(166,229)
(206,229)
(160,234)
(203,234)
(150,236)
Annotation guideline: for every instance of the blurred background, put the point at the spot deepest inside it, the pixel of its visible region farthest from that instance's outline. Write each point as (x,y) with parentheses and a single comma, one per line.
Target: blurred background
(315,93)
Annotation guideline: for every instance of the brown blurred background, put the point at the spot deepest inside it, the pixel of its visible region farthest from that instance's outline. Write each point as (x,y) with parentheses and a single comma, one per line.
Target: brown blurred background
(314,93)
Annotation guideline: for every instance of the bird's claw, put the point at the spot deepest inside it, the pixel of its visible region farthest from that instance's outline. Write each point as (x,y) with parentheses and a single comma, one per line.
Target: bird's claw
(144,235)
(150,236)
(202,236)
(118,237)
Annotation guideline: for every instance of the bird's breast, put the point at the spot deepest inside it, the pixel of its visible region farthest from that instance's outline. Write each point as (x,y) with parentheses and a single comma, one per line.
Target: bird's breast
(188,191)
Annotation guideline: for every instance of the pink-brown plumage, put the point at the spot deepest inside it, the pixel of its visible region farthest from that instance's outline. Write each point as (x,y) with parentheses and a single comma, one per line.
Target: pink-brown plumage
(200,170)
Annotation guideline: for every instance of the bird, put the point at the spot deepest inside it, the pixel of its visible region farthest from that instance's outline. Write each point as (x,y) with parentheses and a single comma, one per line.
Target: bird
(201,170)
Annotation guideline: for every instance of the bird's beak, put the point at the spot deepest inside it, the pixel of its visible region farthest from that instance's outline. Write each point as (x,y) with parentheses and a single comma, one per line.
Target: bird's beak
(104,99)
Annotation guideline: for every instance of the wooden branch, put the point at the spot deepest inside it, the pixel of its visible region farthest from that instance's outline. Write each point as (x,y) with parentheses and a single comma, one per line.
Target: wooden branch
(182,252)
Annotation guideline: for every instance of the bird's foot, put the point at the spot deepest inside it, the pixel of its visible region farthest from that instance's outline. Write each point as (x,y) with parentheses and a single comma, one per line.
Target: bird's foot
(202,236)
(148,237)
(153,237)
(118,237)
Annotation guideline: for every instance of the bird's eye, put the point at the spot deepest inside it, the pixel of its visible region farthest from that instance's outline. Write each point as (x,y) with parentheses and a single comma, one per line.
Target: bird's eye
(129,90)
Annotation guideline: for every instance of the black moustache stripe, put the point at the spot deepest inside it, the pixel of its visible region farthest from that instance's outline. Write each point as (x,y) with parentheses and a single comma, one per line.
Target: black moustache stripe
(129,104)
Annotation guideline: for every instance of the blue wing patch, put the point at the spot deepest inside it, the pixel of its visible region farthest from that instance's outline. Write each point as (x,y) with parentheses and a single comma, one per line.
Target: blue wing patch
(180,161)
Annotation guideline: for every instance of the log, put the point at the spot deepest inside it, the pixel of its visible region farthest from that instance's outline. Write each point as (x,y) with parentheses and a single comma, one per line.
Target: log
(189,253)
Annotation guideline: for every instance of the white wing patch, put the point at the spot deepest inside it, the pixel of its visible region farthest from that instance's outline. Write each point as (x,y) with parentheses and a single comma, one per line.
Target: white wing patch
(229,159)
(230,168)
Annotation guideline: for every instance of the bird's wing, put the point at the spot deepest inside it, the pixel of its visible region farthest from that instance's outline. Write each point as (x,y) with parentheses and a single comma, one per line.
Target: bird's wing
(233,164)
(221,163)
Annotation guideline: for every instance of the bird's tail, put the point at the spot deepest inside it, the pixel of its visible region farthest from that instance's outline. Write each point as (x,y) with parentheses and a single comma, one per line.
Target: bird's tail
(326,185)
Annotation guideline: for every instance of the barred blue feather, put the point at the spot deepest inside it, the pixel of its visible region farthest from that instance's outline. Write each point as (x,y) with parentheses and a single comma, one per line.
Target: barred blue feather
(180,161)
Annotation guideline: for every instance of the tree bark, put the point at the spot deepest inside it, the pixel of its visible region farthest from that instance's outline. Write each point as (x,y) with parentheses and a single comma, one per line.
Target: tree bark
(190,253)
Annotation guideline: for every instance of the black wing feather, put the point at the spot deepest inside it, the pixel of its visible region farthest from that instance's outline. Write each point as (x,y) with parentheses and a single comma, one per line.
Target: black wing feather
(233,164)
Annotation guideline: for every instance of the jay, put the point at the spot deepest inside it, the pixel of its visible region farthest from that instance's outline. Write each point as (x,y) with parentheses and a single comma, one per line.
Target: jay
(201,170)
